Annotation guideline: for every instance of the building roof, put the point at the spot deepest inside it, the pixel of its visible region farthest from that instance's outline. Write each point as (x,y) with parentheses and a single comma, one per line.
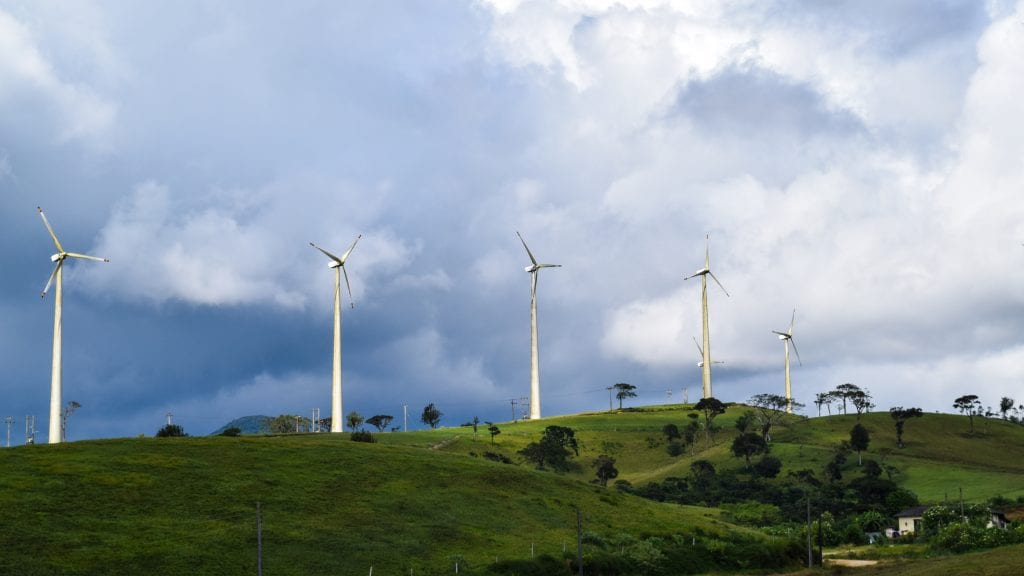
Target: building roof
(914,512)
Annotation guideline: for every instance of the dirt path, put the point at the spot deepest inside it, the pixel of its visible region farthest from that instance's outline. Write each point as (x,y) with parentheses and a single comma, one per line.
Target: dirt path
(849,563)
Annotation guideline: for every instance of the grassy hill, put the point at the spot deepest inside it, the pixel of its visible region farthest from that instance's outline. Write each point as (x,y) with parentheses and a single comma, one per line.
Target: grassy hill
(940,455)
(425,500)
(330,506)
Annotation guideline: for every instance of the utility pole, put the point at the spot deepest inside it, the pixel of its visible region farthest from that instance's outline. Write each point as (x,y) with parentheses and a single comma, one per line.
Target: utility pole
(810,548)
(259,541)
(579,540)
(513,401)
(30,429)
(9,421)
(525,403)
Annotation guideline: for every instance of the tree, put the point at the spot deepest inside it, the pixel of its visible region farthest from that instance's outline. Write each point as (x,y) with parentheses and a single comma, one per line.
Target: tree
(624,391)
(711,407)
(431,416)
(476,423)
(64,415)
(748,444)
(671,432)
(768,467)
(232,432)
(171,431)
(970,406)
(380,421)
(745,421)
(286,423)
(824,398)
(845,392)
(860,438)
(771,409)
(494,430)
(556,446)
(861,401)
(1005,405)
(606,470)
(900,415)
(353,420)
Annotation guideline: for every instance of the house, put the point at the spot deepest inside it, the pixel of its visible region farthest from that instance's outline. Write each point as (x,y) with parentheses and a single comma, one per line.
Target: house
(909,520)
(1004,516)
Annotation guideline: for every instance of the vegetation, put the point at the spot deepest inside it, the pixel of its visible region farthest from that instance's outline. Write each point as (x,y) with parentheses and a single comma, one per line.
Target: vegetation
(900,415)
(623,391)
(171,431)
(145,505)
(969,406)
(353,420)
(381,421)
(431,415)
(554,449)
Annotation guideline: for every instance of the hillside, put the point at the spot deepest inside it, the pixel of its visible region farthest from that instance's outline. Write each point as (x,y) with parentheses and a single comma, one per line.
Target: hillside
(330,506)
(939,456)
(425,500)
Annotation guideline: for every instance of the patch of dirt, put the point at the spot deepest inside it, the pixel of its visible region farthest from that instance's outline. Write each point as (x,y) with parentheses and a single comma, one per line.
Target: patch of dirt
(849,563)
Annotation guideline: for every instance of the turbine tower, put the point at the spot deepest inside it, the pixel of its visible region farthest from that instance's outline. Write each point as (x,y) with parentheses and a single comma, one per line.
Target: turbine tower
(339,268)
(787,339)
(706,337)
(533,268)
(57,278)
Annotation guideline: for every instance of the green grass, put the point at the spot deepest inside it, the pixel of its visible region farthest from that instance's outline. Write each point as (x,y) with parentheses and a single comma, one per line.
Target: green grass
(422,499)
(187,506)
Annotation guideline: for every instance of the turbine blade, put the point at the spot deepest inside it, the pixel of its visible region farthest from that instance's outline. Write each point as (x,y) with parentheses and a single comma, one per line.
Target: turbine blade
(791,321)
(86,257)
(345,272)
(793,342)
(528,253)
(50,230)
(780,333)
(549,265)
(349,251)
(712,274)
(707,251)
(326,253)
(701,351)
(52,276)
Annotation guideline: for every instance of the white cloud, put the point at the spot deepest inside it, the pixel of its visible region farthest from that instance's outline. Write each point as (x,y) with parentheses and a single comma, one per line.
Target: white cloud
(236,247)
(30,79)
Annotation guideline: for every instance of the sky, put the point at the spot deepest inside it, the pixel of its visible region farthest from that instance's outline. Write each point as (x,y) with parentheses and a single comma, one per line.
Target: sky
(859,162)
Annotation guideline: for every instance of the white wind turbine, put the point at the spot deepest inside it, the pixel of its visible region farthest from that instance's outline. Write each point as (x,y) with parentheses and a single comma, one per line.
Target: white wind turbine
(700,351)
(787,339)
(534,352)
(339,268)
(706,336)
(55,373)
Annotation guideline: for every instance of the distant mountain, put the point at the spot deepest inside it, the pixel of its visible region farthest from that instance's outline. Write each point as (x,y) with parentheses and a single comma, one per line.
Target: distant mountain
(248,425)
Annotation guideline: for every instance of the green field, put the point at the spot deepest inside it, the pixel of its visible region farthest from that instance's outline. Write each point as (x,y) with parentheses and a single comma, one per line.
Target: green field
(421,501)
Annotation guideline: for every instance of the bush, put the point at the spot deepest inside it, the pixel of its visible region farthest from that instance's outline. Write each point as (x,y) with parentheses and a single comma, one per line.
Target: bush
(675,449)
(233,431)
(363,436)
(171,431)
(495,457)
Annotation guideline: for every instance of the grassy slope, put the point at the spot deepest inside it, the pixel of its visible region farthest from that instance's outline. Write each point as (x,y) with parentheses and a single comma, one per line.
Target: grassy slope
(186,506)
(940,455)
(412,500)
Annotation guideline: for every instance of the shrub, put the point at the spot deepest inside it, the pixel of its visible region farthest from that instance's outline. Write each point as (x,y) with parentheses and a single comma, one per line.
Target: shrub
(363,436)
(233,431)
(674,449)
(171,431)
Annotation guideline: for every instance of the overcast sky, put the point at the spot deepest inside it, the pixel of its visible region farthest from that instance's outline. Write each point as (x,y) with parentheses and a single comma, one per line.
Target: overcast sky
(861,162)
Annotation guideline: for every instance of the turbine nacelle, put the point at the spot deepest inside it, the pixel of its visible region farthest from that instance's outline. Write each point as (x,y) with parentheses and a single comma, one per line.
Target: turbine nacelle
(333,264)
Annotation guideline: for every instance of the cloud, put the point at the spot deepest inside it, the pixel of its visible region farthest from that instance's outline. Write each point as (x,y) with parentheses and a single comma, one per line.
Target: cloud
(233,247)
(70,111)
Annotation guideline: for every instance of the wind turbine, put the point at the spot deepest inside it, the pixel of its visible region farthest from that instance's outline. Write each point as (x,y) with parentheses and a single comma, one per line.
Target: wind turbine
(706,337)
(787,338)
(700,363)
(339,268)
(533,268)
(57,275)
